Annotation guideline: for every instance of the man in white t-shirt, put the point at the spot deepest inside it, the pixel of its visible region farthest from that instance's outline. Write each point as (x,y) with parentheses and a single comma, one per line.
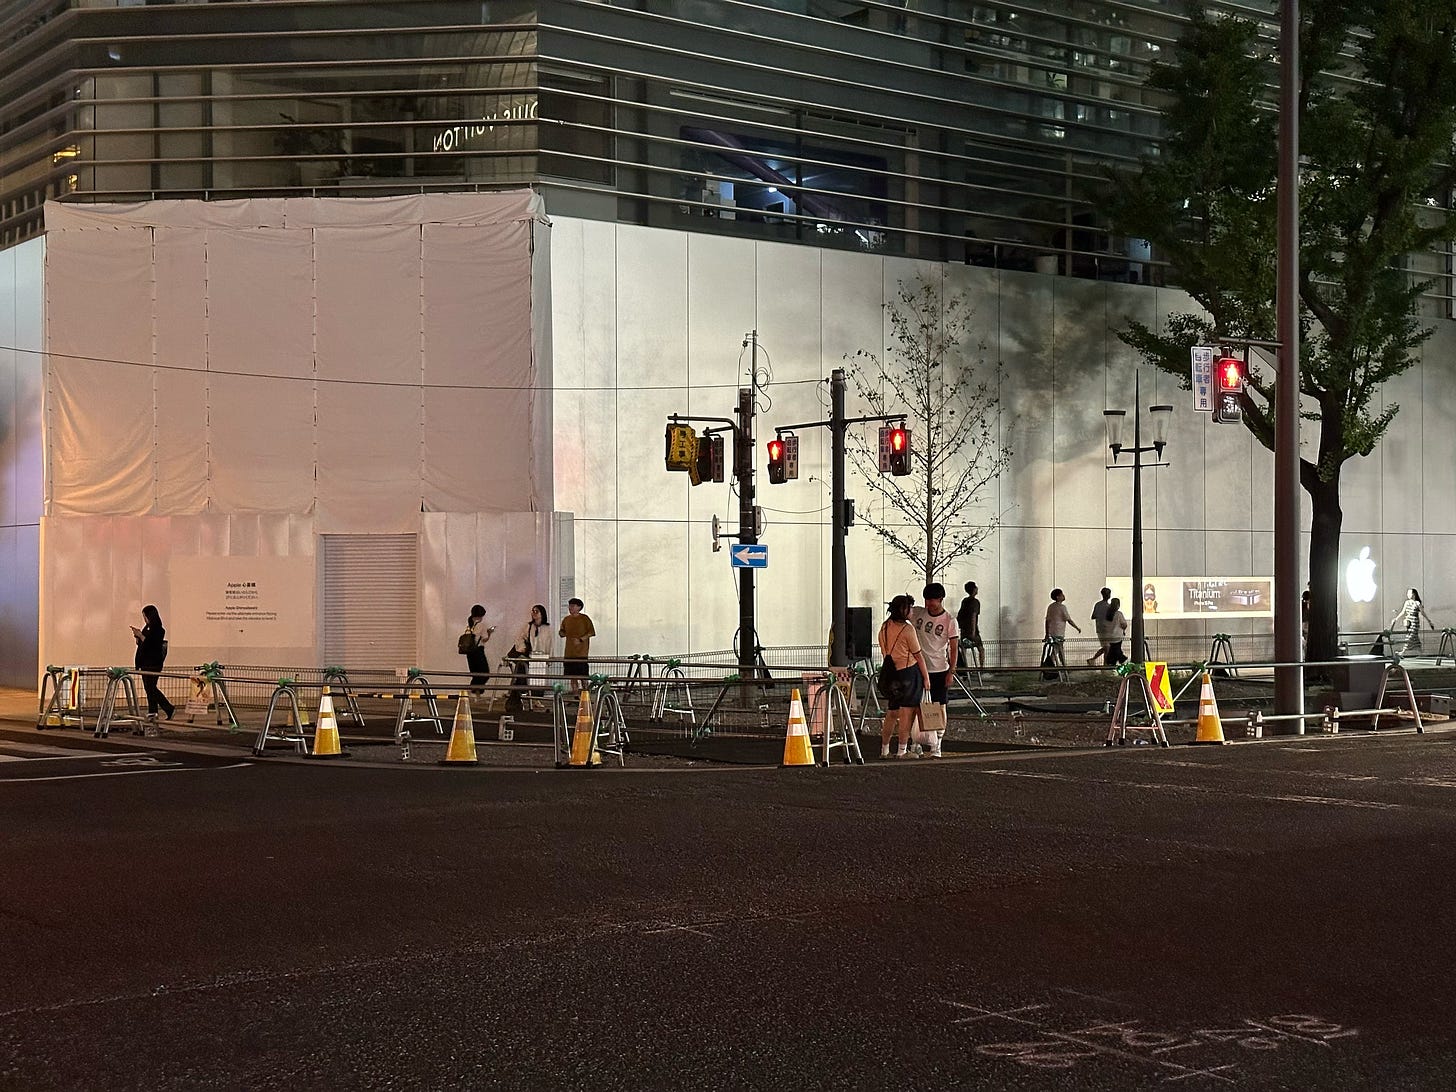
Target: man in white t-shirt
(939,641)
(1058,618)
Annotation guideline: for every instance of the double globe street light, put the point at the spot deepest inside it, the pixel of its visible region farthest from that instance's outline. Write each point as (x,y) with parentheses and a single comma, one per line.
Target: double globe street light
(1159,417)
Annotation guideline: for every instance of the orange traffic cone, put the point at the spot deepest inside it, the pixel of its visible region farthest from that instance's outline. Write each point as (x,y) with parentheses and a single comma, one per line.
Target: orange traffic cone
(326,735)
(583,742)
(797,749)
(1210,728)
(462,737)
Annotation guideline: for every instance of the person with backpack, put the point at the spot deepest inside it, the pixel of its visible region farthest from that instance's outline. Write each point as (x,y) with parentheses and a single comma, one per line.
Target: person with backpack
(472,646)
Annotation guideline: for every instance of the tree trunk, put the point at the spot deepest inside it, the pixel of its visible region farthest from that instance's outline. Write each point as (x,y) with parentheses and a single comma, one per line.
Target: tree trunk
(1324,568)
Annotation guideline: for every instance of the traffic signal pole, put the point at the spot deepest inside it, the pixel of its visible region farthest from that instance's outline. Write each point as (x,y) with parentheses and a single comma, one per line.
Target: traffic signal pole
(1288,680)
(747,531)
(742,425)
(838,562)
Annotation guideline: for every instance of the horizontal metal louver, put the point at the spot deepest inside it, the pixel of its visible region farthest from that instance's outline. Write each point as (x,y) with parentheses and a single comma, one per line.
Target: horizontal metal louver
(370,596)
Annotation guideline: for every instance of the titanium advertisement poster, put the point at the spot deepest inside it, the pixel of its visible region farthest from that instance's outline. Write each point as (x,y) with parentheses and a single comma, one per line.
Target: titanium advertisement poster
(1198,596)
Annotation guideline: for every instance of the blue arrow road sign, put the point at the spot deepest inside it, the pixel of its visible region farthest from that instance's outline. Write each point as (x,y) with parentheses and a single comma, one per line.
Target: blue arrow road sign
(753,556)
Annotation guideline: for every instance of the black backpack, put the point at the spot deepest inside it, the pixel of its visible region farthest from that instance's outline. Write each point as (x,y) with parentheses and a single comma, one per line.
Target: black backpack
(468,642)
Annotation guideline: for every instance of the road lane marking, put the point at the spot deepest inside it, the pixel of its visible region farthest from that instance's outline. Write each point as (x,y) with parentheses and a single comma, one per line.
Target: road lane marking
(121,773)
(1207,790)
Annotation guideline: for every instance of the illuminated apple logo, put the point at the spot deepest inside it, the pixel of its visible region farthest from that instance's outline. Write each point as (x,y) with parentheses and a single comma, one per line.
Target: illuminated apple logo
(1360,577)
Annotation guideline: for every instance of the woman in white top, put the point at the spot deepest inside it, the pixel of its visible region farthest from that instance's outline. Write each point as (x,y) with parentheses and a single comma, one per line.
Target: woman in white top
(1410,614)
(533,642)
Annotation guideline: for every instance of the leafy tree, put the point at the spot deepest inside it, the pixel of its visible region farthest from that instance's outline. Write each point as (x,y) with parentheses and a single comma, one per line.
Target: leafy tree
(952,414)
(1377,114)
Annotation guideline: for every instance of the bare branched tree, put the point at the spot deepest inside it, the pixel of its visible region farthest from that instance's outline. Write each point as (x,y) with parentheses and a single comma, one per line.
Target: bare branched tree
(951,401)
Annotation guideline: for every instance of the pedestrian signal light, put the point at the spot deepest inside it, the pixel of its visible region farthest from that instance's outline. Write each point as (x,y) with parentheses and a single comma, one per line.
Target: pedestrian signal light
(1230,374)
(899,451)
(777,472)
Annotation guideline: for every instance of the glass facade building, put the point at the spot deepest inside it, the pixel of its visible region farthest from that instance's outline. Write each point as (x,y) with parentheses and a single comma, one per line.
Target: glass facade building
(941,129)
(700,168)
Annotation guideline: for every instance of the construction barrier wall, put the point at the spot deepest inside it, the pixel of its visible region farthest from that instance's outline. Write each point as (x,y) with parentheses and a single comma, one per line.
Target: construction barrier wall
(303,428)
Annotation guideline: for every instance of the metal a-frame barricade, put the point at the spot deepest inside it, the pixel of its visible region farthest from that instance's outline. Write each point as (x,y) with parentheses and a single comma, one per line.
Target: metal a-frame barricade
(961,678)
(703,729)
(560,727)
(1447,648)
(1118,729)
(1054,656)
(840,730)
(211,675)
(120,687)
(609,726)
(416,688)
(1221,655)
(639,675)
(862,667)
(62,698)
(285,691)
(346,705)
(1379,709)
(672,680)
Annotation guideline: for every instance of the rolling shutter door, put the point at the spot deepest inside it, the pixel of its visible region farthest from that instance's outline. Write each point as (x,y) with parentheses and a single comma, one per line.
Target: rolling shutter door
(370,596)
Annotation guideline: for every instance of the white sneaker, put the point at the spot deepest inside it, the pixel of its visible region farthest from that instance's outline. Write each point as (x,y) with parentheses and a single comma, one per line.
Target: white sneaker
(885,751)
(905,752)
(935,753)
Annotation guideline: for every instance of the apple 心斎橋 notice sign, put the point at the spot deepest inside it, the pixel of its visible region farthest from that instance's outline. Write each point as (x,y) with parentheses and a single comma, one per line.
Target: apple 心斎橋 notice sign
(1198,596)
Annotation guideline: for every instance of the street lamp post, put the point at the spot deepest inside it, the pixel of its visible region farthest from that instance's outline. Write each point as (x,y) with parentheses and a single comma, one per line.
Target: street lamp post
(1159,418)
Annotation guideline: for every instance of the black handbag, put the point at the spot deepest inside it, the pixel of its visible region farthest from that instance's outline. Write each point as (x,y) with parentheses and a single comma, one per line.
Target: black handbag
(888,682)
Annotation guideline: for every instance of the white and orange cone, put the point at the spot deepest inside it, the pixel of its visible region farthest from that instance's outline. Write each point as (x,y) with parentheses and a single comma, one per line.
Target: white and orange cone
(462,737)
(1210,728)
(583,742)
(326,735)
(797,749)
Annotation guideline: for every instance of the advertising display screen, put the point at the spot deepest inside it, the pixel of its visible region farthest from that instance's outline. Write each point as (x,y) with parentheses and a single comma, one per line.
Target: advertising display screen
(1198,596)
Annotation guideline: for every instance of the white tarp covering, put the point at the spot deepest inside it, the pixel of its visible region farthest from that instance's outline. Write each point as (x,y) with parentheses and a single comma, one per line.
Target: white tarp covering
(355,360)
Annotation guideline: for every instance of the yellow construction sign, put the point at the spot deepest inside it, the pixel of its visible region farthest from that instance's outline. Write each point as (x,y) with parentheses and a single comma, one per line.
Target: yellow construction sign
(1160,686)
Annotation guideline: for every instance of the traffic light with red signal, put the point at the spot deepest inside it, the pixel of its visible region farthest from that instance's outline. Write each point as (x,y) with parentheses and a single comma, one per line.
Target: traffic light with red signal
(1230,376)
(899,451)
(777,472)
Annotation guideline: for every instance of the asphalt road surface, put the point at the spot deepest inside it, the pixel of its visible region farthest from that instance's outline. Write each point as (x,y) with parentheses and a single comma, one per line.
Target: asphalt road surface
(1264,916)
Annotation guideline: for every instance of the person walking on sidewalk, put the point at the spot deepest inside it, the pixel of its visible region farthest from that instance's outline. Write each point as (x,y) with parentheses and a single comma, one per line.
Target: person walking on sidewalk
(1102,625)
(151,656)
(1058,618)
(1116,624)
(968,618)
(1410,614)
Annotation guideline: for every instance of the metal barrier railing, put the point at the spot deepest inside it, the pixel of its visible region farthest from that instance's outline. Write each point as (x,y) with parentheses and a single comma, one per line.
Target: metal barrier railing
(693,699)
